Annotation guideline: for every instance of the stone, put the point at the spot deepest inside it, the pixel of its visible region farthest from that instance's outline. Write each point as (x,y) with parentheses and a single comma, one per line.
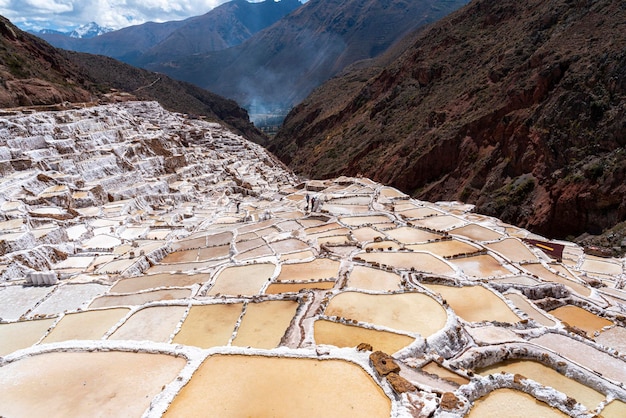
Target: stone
(383,363)
(449,401)
(364,347)
(399,384)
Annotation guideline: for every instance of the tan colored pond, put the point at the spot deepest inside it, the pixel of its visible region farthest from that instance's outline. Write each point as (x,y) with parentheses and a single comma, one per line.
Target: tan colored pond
(366,234)
(513,249)
(368,278)
(410,260)
(242,280)
(475,303)
(549,276)
(156,323)
(262,251)
(481,266)
(200,254)
(417,213)
(443,222)
(442,372)
(477,232)
(409,312)
(385,245)
(600,265)
(581,318)
(140,298)
(363,220)
(86,325)
(391,192)
(272,386)
(614,338)
(182,267)
(136,284)
(342,335)
(264,324)
(209,326)
(300,255)
(337,209)
(548,377)
(445,248)
(536,314)
(320,268)
(408,235)
(276,288)
(17,335)
(615,409)
(288,246)
(59,384)
(512,403)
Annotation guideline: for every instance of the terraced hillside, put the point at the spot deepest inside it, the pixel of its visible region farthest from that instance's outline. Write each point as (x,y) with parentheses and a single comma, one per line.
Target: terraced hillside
(196,275)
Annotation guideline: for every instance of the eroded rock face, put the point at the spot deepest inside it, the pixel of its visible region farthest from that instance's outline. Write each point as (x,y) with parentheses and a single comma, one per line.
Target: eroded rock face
(486,108)
(175,236)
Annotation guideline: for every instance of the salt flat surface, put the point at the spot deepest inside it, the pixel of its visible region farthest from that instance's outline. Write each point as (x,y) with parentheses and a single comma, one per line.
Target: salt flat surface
(198,257)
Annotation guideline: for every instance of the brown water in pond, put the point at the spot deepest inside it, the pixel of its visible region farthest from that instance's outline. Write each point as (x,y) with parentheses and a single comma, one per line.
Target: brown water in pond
(442,372)
(182,267)
(288,246)
(444,248)
(410,260)
(363,220)
(209,326)
(264,324)
(548,377)
(549,276)
(276,288)
(320,268)
(262,251)
(135,284)
(409,312)
(512,403)
(481,266)
(86,325)
(366,234)
(18,335)
(523,304)
(475,303)
(418,213)
(140,298)
(408,235)
(156,323)
(581,318)
(342,335)
(368,278)
(242,280)
(60,385)
(513,250)
(477,232)
(280,387)
(384,245)
(300,255)
(615,409)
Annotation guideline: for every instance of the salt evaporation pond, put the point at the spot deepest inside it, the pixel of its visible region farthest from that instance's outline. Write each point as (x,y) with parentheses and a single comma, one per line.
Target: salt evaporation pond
(59,384)
(475,303)
(272,386)
(581,318)
(548,377)
(512,403)
(207,251)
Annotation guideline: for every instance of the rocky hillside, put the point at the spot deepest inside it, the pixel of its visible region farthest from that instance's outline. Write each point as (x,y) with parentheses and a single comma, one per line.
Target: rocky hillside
(225,26)
(281,65)
(517,107)
(35,73)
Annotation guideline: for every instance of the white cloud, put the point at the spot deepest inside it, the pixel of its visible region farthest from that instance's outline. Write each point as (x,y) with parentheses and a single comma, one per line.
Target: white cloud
(67,14)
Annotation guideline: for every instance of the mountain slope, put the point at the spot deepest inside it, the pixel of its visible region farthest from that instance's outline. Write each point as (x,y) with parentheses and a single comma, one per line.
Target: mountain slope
(517,107)
(35,73)
(280,65)
(227,25)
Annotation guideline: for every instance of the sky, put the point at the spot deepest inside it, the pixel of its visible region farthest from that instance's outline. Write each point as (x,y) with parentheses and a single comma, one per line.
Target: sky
(66,15)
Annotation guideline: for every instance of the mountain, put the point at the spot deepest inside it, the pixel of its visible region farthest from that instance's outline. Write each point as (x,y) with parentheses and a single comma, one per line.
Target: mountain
(517,107)
(226,25)
(88,30)
(281,65)
(35,73)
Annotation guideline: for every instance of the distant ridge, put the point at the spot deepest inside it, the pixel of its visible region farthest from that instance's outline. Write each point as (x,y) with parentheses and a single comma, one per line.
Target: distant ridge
(35,73)
(517,107)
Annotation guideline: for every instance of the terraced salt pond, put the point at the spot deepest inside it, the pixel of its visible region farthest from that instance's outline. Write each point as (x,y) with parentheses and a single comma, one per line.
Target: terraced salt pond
(271,386)
(206,287)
